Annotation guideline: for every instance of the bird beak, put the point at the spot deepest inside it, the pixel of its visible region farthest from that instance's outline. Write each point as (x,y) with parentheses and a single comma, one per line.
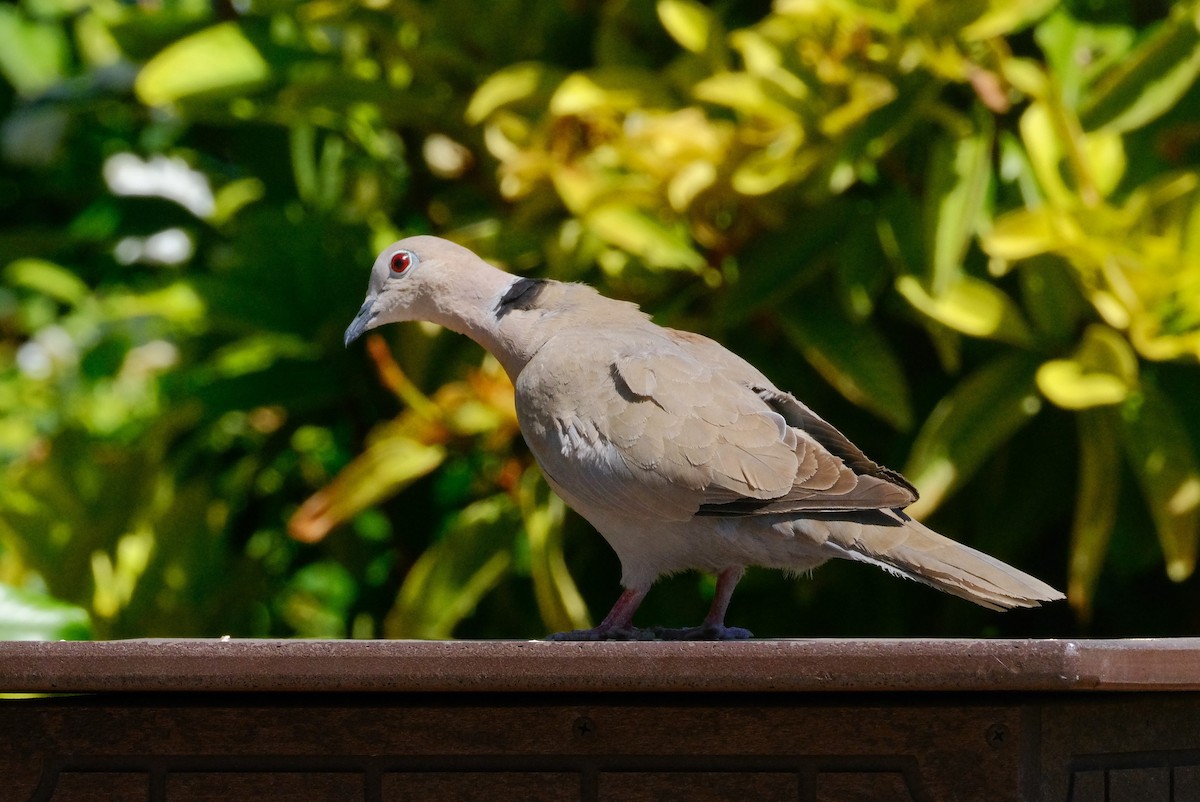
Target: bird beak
(362,321)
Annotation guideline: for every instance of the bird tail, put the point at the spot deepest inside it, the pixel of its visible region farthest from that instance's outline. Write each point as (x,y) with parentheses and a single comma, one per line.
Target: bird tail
(910,549)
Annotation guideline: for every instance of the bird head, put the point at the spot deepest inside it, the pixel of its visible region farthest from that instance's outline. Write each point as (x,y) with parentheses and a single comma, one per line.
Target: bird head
(418,278)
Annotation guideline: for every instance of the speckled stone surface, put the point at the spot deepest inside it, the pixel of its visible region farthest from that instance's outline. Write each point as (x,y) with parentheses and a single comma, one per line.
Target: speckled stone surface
(223,665)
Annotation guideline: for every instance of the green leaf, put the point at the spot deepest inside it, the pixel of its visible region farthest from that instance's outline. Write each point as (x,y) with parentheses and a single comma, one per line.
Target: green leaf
(777,263)
(27,615)
(637,233)
(1150,79)
(558,599)
(960,173)
(1006,16)
(689,23)
(1095,503)
(967,426)
(1160,452)
(510,85)
(448,580)
(1050,297)
(216,60)
(47,278)
(389,464)
(969,305)
(1102,371)
(1063,38)
(33,54)
(854,357)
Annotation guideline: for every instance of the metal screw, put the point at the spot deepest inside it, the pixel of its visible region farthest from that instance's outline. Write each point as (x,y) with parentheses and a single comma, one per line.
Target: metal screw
(584,727)
(997,735)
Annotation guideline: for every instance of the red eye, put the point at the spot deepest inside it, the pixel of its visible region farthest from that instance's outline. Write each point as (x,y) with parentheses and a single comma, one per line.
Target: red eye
(401,262)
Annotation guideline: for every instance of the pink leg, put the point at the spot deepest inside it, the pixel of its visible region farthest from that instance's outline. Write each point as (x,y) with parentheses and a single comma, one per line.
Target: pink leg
(617,625)
(726,581)
(714,627)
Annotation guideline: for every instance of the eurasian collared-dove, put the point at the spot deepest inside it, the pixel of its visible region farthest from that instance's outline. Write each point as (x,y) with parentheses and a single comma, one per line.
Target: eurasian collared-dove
(680,453)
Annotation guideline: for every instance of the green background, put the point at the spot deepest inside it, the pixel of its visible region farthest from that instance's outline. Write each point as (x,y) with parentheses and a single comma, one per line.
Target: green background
(967,233)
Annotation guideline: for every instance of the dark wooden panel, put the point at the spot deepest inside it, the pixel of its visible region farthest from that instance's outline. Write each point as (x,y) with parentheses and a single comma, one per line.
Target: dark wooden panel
(469,786)
(711,786)
(101,786)
(262,786)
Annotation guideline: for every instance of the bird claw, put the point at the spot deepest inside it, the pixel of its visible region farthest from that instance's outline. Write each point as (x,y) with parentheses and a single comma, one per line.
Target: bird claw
(703,632)
(604,633)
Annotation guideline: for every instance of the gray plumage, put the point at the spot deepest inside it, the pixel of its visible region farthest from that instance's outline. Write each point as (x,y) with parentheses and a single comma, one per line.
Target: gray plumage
(680,453)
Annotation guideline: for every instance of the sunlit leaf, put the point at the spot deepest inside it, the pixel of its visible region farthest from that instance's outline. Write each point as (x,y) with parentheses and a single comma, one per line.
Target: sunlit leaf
(32,53)
(219,59)
(386,467)
(1023,233)
(1160,452)
(558,600)
(752,95)
(1149,80)
(1063,38)
(1095,503)
(969,305)
(1102,371)
(959,175)
(448,580)
(47,278)
(854,357)
(609,89)
(689,23)
(1044,145)
(967,426)
(26,615)
(1005,17)
(637,233)
(510,85)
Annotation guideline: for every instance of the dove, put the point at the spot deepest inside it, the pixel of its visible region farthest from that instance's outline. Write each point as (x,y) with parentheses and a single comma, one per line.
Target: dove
(681,454)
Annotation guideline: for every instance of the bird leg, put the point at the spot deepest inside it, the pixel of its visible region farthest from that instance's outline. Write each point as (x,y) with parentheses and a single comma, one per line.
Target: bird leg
(713,627)
(617,625)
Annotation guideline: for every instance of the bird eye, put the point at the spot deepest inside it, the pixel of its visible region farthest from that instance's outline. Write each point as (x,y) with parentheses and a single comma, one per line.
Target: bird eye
(401,262)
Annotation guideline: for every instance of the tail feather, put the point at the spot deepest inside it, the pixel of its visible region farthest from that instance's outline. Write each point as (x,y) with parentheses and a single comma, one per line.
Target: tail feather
(912,550)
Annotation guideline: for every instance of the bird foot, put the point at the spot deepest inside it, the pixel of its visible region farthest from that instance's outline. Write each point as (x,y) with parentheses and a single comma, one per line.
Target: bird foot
(604,633)
(703,632)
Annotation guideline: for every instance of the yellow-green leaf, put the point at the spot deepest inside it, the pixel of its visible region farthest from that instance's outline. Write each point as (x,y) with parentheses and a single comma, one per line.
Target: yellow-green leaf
(386,467)
(219,59)
(1102,371)
(689,23)
(1149,80)
(1095,504)
(48,279)
(959,175)
(1021,234)
(969,305)
(1006,16)
(447,581)
(637,233)
(967,426)
(509,85)
(559,602)
(1159,449)
(33,54)
(854,357)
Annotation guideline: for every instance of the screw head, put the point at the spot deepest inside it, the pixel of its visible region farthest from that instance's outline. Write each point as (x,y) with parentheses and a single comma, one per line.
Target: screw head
(997,735)
(584,727)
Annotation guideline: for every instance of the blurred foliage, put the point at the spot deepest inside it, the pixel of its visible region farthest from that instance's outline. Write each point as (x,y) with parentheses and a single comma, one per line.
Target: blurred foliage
(967,233)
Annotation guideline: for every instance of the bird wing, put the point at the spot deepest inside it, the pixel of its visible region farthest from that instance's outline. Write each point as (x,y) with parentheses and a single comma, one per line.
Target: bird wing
(670,425)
